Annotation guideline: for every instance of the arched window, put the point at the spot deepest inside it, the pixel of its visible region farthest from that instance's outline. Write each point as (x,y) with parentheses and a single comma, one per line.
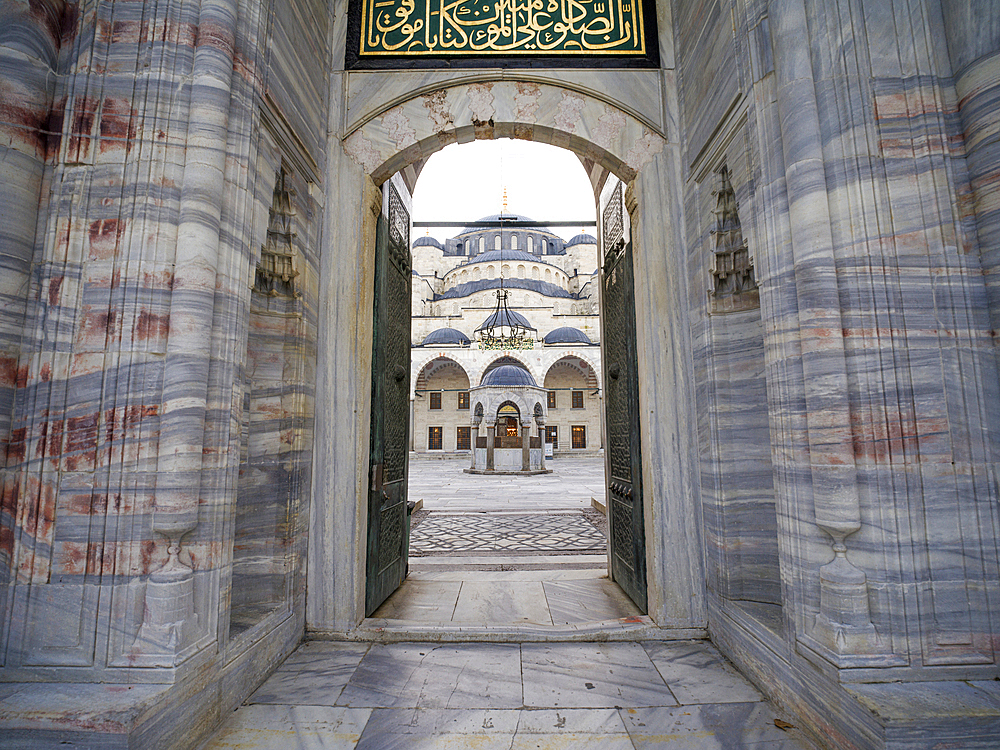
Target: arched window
(491,272)
(513,242)
(477,274)
(460,248)
(534,272)
(496,242)
(531,244)
(521,272)
(505,271)
(482,244)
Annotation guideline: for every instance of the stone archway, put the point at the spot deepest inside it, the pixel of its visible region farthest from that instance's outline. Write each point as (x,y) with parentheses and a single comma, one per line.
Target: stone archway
(386,134)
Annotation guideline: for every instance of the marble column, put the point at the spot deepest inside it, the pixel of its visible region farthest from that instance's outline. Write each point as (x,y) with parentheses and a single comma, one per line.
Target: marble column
(540,421)
(490,439)
(526,445)
(843,624)
(475,440)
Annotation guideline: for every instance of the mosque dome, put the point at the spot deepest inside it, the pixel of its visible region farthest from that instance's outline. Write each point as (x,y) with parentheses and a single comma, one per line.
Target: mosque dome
(504,217)
(508,318)
(446,336)
(582,239)
(567,335)
(428,241)
(506,375)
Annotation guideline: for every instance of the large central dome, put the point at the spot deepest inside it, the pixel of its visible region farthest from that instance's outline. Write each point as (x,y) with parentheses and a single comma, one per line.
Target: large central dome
(505,217)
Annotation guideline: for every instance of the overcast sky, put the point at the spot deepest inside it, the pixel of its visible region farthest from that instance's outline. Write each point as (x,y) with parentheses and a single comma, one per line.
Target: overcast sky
(466,182)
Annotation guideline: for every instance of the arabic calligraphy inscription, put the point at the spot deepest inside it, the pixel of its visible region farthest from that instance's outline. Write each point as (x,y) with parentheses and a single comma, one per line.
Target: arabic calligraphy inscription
(506,27)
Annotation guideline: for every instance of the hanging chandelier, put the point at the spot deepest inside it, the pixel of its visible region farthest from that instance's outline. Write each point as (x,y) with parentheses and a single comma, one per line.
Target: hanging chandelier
(505,330)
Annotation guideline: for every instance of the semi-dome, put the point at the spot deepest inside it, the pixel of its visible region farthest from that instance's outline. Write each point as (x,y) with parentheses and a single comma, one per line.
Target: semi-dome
(508,318)
(446,336)
(506,375)
(566,335)
(497,256)
(425,241)
(582,239)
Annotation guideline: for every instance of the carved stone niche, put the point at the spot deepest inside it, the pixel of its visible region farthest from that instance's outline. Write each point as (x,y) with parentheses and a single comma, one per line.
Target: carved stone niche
(277,270)
(734,286)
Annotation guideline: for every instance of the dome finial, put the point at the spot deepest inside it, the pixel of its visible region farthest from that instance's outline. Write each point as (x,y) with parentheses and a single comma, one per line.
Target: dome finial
(505,200)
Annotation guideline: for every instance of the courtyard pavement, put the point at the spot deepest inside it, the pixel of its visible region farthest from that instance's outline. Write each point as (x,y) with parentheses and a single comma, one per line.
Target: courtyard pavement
(528,554)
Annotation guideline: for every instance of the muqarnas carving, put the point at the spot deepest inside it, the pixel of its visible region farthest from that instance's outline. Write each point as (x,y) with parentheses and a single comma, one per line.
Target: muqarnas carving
(276,271)
(734,286)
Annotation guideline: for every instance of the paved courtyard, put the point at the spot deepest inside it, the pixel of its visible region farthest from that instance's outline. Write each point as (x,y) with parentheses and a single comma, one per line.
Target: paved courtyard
(442,485)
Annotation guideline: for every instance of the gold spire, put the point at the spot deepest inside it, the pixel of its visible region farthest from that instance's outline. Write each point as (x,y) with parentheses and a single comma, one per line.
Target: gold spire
(505,200)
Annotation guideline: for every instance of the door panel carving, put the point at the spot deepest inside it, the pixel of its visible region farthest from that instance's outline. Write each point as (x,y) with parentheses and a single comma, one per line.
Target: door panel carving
(390,404)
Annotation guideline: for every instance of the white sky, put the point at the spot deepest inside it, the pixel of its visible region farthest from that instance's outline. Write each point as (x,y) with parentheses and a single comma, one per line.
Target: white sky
(465,182)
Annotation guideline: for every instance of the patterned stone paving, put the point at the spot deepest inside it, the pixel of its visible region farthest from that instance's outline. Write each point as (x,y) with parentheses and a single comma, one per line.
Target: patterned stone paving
(478,533)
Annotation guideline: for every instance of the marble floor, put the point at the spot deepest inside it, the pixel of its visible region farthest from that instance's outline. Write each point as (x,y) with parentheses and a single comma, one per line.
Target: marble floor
(515,558)
(381,696)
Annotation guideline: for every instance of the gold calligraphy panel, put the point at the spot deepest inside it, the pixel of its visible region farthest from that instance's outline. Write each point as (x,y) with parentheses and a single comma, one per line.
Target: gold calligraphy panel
(502,27)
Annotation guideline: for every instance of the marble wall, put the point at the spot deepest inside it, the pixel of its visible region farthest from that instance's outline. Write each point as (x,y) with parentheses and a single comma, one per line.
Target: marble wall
(830,455)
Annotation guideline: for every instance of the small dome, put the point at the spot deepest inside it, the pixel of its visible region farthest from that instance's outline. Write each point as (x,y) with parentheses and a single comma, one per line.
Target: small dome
(582,239)
(427,241)
(508,375)
(446,336)
(506,318)
(567,335)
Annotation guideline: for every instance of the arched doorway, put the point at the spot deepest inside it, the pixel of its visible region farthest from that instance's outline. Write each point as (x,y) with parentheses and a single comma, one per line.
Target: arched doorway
(396,137)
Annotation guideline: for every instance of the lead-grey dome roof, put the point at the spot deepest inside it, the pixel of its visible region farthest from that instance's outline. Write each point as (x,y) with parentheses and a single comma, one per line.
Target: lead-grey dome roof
(582,239)
(506,318)
(505,217)
(423,241)
(508,375)
(446,336)
(566,335)
(502,255)
(546,288)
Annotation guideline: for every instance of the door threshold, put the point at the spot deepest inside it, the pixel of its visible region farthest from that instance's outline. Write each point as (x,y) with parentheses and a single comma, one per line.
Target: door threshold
(634,628)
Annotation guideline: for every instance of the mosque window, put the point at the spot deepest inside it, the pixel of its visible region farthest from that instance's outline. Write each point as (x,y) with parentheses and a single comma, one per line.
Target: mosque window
(552,399)
(552,436)
(496,242)
(531,244)
(513,242)
(579,436)
(434,438)
(521,271)
(435,399)
(463,399)
(460,248)
(463,439)
(482,244)
(577,399)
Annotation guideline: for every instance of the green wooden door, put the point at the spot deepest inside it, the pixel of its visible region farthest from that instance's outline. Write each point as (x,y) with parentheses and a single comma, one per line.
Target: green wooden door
(626,534)
(386,562)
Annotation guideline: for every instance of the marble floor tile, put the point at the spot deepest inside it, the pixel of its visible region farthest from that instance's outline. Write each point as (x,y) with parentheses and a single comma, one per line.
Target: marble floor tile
(313,675)
(425,675)
(502,603)
(571,729)
(724,726)
(440,729)
(421,600)
(697,673)
(591,675)
(587,600)
(301,727)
